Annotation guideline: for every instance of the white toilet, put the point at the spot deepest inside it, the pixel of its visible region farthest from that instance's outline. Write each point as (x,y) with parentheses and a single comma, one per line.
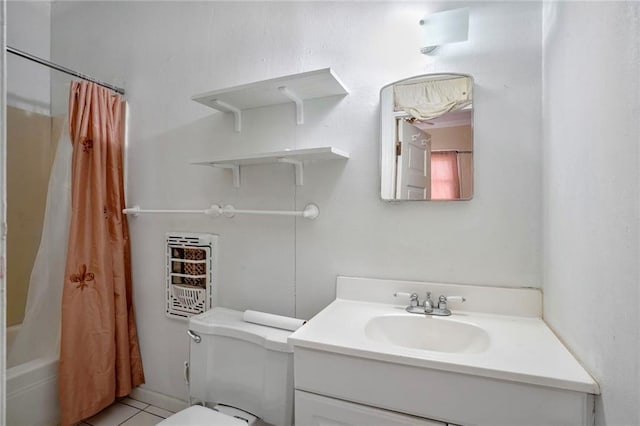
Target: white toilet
(243,371)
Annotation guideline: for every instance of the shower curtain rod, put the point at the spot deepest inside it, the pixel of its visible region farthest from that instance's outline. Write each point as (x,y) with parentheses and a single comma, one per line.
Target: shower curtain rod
(459,151)
(62,69)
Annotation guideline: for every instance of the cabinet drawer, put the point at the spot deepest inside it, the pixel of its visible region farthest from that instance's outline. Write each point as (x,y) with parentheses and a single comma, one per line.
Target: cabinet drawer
(459,398)
(316,410)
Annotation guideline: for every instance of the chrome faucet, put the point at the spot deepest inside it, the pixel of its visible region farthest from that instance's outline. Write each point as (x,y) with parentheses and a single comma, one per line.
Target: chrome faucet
(428,304)
(428,307)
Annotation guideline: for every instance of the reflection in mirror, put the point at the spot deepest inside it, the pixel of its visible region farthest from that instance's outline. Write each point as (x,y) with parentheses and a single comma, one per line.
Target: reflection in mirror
(426,141)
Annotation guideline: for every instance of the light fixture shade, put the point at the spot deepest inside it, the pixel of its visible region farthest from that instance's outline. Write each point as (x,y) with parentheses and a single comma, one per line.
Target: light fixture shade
(440,28)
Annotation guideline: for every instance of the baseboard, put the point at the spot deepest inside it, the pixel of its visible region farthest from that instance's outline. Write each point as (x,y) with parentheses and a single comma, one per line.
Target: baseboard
(158,399)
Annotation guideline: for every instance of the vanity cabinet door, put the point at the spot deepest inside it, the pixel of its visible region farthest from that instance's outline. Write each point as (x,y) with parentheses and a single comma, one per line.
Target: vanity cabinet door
(316,410)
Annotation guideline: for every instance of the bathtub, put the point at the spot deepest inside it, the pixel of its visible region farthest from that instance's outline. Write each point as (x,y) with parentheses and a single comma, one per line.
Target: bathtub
(32,391)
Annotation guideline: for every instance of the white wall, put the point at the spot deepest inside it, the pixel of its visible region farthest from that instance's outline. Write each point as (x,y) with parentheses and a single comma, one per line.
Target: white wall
(164,52)
(29,30)
(591,193)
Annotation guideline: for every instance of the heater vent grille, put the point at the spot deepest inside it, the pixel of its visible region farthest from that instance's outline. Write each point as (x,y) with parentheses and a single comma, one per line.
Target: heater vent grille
(191,265)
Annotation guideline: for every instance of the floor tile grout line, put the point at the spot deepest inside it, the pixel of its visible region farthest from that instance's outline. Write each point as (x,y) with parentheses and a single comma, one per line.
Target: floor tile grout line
(129,418)
(150,412)
(158,415)
(129,405)
(139,410)
(153,414)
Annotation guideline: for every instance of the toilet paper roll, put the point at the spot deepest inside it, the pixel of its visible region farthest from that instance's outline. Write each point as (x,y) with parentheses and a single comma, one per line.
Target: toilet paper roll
(271,320)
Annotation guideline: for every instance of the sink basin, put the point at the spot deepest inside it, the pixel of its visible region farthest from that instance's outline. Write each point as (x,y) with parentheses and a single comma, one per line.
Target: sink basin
(428,333)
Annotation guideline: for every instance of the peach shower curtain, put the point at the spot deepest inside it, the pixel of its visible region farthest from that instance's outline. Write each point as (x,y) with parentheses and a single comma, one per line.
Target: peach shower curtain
(99,353)
(445,178)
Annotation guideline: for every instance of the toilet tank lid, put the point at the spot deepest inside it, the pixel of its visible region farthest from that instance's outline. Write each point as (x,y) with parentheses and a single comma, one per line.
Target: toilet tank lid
(229,323)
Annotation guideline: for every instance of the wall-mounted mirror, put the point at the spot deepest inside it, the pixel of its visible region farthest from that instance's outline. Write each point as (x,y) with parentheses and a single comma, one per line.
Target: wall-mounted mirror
(426,140)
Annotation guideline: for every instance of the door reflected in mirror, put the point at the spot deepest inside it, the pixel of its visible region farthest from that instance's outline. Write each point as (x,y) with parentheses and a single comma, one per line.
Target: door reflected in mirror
(426,141)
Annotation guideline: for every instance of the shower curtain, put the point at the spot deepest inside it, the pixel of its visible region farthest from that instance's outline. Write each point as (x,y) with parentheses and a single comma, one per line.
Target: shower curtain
(99,354)
(39,335)
(445,177)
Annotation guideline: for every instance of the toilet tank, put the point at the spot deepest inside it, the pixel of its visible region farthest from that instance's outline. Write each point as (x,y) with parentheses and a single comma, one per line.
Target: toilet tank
(245,365)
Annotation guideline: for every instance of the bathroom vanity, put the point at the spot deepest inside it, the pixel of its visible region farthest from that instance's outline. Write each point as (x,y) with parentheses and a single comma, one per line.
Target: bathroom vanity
(365,360)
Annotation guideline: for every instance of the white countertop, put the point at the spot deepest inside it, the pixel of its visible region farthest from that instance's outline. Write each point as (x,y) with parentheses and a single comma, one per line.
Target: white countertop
(521,349)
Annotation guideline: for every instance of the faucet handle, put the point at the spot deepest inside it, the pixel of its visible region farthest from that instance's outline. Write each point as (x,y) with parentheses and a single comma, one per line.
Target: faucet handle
(413,297)
(442,300)
(453,299)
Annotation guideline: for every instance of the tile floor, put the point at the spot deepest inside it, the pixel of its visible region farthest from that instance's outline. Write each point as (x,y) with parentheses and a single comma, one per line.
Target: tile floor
(128,412)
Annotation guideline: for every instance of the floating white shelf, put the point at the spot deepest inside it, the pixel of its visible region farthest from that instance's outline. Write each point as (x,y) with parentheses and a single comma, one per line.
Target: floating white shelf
(297,157)
(291,88)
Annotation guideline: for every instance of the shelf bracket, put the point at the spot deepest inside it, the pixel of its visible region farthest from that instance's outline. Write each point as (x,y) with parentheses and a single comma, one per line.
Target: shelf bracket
(299,168)
(235,169)
(237,113)
(294,98)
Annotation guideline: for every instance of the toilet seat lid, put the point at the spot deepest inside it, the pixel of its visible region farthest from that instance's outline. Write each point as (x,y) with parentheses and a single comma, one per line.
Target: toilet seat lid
(197,415)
